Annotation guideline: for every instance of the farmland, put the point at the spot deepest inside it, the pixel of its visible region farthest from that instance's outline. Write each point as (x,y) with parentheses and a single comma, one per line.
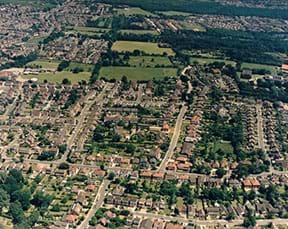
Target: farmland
(136,73)
(147,47)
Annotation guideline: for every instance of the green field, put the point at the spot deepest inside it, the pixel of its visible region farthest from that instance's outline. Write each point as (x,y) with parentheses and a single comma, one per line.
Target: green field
(59,76)
(174,13)
(147,47)
(53,64)
(85,67)
(203,61)
(139,32)
(133,11)
(137,73)
(152,61)
(225,146)
(193,26)
(89,31)
(271,68)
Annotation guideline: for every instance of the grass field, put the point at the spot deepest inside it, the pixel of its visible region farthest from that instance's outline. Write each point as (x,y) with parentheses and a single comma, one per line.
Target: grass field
(89,31)
(139,32)
(271,68)
(133,11)
(174,13)
(59,76)
(147,47)
(136,73)
(210,60)
(85,67)
(192,26)
(223,145)
(44,63)
(152,61)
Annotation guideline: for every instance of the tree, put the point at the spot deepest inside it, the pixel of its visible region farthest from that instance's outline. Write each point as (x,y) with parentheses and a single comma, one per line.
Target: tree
(111,176)
(63,64)
(4,199)
(185,192)
(220,172)
(130,148)
(16,212)
(23,196)
(63,165)
(250,220)
(41,200)
(66,81)
(116,138)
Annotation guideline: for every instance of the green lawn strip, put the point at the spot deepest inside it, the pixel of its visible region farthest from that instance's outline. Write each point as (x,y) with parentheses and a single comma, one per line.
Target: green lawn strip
(147,47)
(59,76)
(136,73)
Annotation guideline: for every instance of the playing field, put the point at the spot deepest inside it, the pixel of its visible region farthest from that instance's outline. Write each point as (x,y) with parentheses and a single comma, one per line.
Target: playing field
(136,73)
(271,68)
(89,31)
(139,32)
(53,64)
(149,61)
(147,47)
(59,76)
(84,67)
(210,60)
(129,11)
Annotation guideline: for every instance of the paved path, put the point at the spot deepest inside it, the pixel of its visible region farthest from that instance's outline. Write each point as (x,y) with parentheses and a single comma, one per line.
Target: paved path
(98,201)
(174,139)
(230,224)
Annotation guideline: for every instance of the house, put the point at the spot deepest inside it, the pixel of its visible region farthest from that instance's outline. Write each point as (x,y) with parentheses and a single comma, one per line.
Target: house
(71,218)
(284,68)
(173,226)
(246,74)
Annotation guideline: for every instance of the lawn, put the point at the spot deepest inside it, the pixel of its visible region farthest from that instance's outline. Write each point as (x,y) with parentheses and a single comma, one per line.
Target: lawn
(59,76)
(90,31)
(85,67)
(174,13)
(193,26)
(133,11)
(44,63)
(271,68)
(152,61)
(139,32)
(147,47)
(137,73)
(203,61)
(225,146)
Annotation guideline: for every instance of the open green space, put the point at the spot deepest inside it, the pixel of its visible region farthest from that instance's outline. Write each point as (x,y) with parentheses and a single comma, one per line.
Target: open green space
(84,67)
(225,146)
(174,13)
(139,32)
(59,76)
(136,73)
(129,11)
(203,61)
(147,47)
(193,26)
(151,61)
(43,63)
(271,68)
(89,31)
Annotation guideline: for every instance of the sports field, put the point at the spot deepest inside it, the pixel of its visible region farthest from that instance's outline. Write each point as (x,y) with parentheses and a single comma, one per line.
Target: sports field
(147,47)
(149,61)
(136,73)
